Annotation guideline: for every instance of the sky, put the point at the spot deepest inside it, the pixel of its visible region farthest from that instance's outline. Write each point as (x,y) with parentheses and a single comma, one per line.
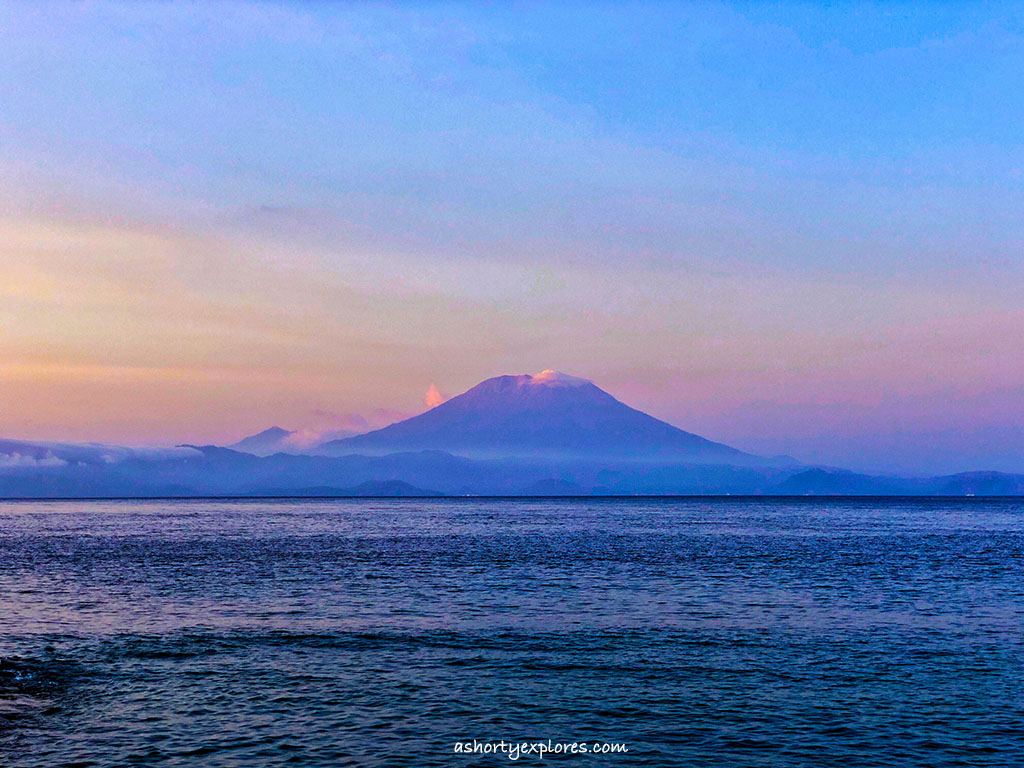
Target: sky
(792,227)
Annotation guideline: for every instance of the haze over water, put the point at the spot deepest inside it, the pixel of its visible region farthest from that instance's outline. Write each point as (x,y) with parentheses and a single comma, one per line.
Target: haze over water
(755,632)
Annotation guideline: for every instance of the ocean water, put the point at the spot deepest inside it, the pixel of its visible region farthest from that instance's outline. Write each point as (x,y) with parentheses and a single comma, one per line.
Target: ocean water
(723,632)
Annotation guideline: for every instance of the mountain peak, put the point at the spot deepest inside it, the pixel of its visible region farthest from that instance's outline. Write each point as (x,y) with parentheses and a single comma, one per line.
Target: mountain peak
(527,385)
(554,378)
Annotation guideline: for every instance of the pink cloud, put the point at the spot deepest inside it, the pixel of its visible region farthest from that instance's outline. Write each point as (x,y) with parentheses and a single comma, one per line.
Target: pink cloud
(434,397)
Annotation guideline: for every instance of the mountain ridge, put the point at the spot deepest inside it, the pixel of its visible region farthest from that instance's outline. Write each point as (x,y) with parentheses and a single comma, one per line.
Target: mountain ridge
(189,471)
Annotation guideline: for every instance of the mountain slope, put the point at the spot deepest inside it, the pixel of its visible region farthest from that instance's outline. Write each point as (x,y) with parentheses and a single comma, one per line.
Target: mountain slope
(549,415)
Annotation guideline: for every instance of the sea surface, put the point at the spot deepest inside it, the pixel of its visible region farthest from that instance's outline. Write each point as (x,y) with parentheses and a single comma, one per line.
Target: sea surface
(696,632)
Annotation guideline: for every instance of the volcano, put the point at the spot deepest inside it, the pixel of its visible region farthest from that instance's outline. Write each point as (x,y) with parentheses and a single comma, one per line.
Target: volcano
(549,415)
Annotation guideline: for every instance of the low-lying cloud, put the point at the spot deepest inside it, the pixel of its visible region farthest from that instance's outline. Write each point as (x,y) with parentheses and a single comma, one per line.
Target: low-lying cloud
(27,461)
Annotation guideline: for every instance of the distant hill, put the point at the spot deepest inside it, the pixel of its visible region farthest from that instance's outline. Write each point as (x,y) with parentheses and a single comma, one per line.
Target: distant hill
(979,484)
(265,443)
(547,416)
(278,440)
(836,482)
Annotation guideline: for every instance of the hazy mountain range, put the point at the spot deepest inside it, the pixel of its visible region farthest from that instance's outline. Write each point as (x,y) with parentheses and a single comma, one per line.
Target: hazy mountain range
(546,434)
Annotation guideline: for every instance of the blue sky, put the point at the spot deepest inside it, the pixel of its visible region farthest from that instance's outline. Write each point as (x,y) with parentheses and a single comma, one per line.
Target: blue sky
(795,227)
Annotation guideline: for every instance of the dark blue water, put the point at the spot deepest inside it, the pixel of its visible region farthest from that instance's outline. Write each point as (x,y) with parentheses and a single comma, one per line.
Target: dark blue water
(371,632)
